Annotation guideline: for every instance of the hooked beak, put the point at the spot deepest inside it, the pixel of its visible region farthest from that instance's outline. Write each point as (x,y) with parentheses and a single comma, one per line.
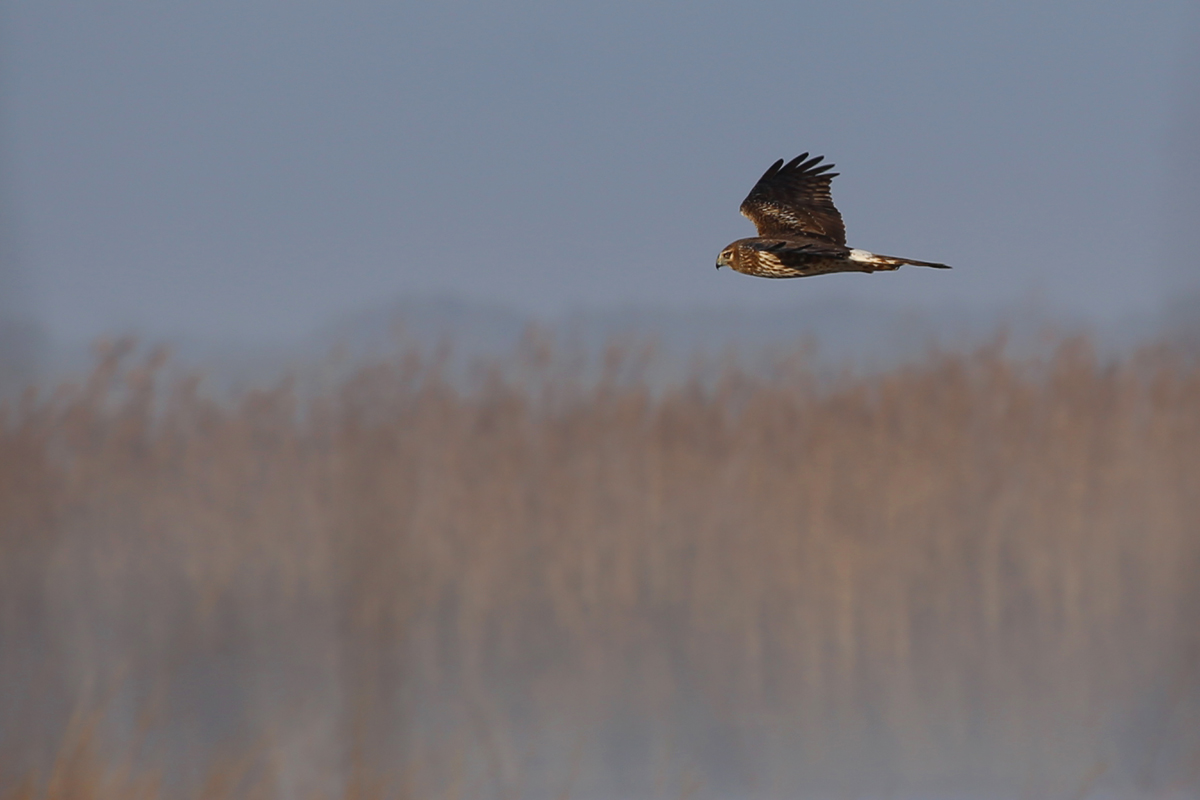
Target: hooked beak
(723,260)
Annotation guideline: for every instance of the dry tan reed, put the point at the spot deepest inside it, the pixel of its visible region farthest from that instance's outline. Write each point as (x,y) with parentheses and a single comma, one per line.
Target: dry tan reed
(972,571)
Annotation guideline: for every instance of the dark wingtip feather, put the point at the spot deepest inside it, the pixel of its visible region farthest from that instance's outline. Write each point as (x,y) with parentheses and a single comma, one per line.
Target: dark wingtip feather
(803,165)
(812,162)
(771,170)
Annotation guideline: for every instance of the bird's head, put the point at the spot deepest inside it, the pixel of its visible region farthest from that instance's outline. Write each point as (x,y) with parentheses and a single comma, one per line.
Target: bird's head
(726,258)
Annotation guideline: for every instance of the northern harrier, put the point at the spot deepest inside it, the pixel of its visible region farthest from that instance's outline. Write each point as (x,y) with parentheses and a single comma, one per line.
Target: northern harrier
(800,233)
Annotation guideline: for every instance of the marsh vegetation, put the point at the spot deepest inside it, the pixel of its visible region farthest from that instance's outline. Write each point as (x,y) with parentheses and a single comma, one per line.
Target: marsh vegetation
(970,572)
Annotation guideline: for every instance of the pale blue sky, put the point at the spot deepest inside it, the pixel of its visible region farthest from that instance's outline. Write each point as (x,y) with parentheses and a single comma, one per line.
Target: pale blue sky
(256,167)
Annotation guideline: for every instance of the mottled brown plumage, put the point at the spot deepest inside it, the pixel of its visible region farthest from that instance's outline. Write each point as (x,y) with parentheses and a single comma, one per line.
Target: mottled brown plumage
(800,231)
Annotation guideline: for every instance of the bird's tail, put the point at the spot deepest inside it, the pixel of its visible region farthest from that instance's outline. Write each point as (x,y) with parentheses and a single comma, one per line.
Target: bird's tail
(916,263)
(890,262)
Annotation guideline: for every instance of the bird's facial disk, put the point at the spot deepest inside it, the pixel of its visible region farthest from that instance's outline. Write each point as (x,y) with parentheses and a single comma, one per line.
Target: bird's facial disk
(726,258)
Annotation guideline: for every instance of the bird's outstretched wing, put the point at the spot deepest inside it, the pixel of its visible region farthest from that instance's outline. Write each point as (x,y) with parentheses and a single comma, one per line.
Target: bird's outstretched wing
(794,199)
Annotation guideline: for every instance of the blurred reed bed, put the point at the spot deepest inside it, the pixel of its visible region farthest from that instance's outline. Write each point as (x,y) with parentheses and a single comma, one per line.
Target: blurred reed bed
(973,572)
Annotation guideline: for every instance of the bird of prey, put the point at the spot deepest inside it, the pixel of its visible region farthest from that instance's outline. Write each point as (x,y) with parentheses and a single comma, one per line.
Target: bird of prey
(800,233)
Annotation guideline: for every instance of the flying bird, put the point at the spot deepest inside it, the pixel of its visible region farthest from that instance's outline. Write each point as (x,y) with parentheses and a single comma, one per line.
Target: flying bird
(800,232)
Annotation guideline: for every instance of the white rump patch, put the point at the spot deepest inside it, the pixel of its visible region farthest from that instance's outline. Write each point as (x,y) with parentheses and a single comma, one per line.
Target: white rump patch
(865,257)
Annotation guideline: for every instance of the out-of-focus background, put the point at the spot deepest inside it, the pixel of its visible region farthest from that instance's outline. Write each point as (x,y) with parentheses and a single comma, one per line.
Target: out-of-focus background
(374,422)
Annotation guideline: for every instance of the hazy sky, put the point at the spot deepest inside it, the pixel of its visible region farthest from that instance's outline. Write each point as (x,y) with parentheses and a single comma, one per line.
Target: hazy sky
(253,167)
